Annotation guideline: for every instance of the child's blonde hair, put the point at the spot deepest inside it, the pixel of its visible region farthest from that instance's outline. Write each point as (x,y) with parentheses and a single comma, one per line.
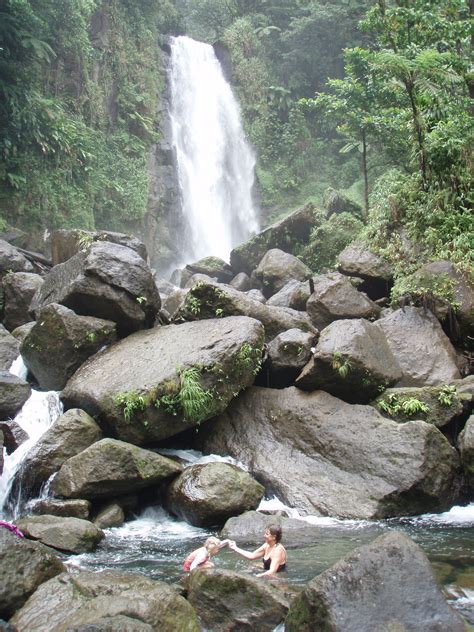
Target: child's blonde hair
(212,543)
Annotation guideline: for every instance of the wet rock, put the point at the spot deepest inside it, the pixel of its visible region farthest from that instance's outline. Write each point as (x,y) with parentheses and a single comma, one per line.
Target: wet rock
(385,585)
(70,434)
(241,282)
(336,459)
(64,534)
(422,349)
(19,289)
(87,598)
(13,435)
(288,353)
(276,268)
(334,297)
(357,260)
(60,342)
(65,243)
(175,301)
(9,349)
(13,394)
(285,235)
(215,358)
(24,566)
(207,495)
(208,300)
(294,295)
(352,361)
(250,526)
(110,467)
(212,267)
(466,448)
(63,508)
(227,601)
(21,332)
(107,281)
(111,515)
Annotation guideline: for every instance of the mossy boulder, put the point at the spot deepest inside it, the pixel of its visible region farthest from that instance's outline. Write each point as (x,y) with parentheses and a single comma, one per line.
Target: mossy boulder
(213,267)
(72,535)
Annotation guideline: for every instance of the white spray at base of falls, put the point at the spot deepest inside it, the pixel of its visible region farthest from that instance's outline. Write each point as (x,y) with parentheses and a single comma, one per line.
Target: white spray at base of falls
(36,416)
(215,163)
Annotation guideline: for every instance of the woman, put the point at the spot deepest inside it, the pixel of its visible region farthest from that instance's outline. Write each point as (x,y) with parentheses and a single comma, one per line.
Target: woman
(272,551)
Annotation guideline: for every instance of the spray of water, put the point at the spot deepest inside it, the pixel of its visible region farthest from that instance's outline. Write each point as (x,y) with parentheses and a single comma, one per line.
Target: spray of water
(215,163)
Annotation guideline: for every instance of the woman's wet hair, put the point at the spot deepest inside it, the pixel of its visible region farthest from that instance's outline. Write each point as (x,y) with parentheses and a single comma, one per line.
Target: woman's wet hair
(276,531)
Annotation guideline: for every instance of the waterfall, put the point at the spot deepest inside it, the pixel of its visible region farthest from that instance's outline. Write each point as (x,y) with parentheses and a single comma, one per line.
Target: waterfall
(36,416)
(215,164)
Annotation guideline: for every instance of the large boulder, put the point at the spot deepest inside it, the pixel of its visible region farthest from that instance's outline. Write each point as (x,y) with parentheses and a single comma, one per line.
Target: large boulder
(276,268)
(437,405)
(286,235)
(60,342)
(24,565)
(377,274)
(385,585)
(334,297)
(93,601)
(176,377)
(337,202)
(70,434)
(213,267)
(12,260)
(65,243)
(422,349)
(207,495)
(250,526)
(466,448)
(13,435)
(336,459)
(19,289)
(107,281)
(72,535)
(110,467)
(13,394)
(64,508)
(287,354)
(294,295)
(9,349)
(208,300)
(352,361)
(227,601)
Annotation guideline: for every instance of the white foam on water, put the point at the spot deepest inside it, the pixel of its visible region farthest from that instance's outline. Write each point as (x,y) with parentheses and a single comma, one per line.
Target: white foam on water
(194,457)
(19,368)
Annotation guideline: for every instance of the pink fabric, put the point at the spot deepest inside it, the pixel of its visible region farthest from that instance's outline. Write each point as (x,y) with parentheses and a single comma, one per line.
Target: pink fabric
(11,527)
(190,559)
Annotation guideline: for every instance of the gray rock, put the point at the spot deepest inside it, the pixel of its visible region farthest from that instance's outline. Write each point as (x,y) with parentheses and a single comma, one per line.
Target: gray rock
(206,300)
(420,346)
(64,534)
(9,349)
(1,452)
(241,282)
(207,495)
(466,448)
(276,268)
(226,600)
(24,566)
(352,361)
(356,259)
(60,342)
(13,394)
(87,598)
(256,295)
(63,508)
(70,434)
(12,260)
(285,235)
(175,300)
(212,267)
(437,405)
(120,623)
(335,298)
(385,585)
(336,459)
(111,515)
(110,467)
(107,281)
(337,202)
(250,526)
(13,435)
(19,289)
(284,297)
(288,353)
(221,354)
(65,243)
(21,332)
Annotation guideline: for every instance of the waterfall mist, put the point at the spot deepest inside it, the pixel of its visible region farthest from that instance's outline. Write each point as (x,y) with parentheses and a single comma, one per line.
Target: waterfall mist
(215,164)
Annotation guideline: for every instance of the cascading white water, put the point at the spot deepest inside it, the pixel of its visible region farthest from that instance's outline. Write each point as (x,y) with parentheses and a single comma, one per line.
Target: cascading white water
(215,163)
(36,416)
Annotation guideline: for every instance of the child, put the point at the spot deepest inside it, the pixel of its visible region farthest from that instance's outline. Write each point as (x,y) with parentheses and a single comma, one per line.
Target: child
(201,558)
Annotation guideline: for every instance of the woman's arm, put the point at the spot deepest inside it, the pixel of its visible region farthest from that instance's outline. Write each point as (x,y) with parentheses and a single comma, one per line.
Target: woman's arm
(249,555)
(275,564)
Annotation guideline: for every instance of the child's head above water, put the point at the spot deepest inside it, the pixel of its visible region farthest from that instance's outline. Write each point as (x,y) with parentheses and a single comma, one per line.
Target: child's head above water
(212,544)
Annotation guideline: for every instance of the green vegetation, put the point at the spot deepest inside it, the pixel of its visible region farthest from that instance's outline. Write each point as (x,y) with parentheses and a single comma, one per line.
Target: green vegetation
(249,358)
(188,397)
(448,395)
(131,403)
(341,364)
(394,404)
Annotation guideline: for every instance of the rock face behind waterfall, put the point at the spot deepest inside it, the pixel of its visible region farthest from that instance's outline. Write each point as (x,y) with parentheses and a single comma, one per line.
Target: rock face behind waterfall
(337,459)
(138,387)
(385,585)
